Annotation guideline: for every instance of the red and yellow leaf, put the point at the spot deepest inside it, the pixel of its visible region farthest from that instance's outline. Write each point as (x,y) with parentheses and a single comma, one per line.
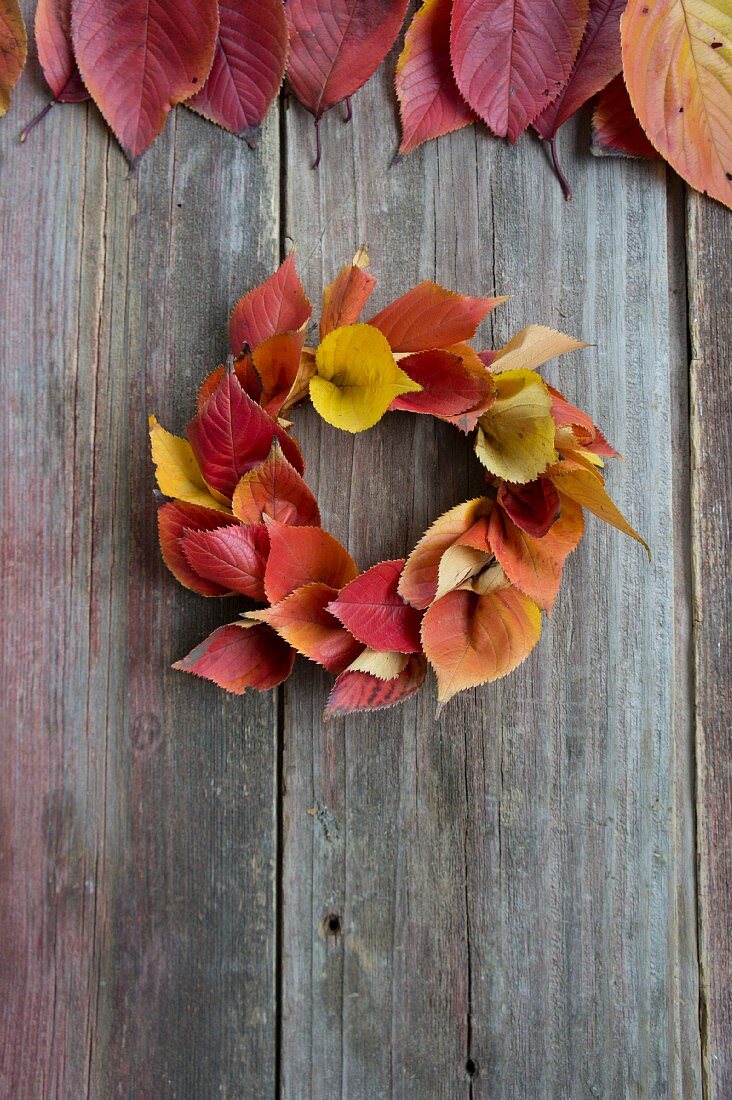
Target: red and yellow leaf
(139,59)
(248,66)
(345,297)
(336,46)
(13,49)
(585,431)
(176,518)
(418,582)
(677,63)
(277,362)
(303,620)
(276,490)
(304,555)
(278,305)
(429,101)
(587,488)
(234,557)
(471,640)
(362,691)
(616,132)
(232,434)
(511,58)
(371,608)
(53,41)
(244,370)
(534,565)
(176,470)
(240,656)
(431,317)
(450,384)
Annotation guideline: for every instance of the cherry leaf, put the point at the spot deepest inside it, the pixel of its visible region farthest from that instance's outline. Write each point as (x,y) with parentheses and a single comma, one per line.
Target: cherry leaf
(430,104)
(234,557)
(418,582)
(248,66)
(232,434)
(533,507)
(277,305)
(275,489)
(472,639)
(616,132)
(431,317)
(587,488)
(244,370)
(175,519)
(303,620)
(374,612)
(515,438)
(139,59)
(240,656)
(450,385)
(336,46)
(511,58)
(277,363)
(13,49)
(53,41)
(362,691)
(304,555)
(345,297)
(534,565)
(176,469)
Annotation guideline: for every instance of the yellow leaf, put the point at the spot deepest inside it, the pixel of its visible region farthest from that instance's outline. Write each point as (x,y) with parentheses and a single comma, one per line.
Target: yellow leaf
(357,378)
(515,437)
(382,665)
(532,346)
(457,565)
(587,488)
(176,469)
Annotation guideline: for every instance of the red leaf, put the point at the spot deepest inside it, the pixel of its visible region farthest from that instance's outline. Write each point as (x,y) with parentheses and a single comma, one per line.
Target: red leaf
(277,305)
(303,620)
(53,39)
(234,557)
(304,555)
(243,369)
(374,612)
(533,507)
(345,297)
(534,565)
(429,101)
(360,691)
(231,435)
(248,66)
(431,317)
(598,61)
(277,362)
(13,49)
(139,59)
(449,386)
(276,490)
(616,132)
(174,519)
(241,656)
(511,58)
(336,46)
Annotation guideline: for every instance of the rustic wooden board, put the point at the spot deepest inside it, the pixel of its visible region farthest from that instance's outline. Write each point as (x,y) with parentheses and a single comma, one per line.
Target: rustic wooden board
(138,805)
(710,279)
(512,887)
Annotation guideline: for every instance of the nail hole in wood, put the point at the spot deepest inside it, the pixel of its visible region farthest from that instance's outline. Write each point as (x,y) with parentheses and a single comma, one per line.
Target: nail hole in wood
(333,924)
(471,1068)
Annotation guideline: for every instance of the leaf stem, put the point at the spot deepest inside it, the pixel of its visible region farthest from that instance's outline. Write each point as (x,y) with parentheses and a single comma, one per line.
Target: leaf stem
(34,121)
(318,150)
(349,110)
(566,189)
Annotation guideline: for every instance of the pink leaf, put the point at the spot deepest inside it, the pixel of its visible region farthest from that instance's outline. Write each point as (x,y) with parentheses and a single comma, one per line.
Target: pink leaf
(53,40)
(175,519)
(374,612)
(234,557)
(241,656)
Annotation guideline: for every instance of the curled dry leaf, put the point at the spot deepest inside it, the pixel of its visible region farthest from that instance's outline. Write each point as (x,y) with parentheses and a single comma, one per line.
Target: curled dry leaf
(419,580)
(384,665)
(677,63)
(141,58)
(532,347)
(587,488)
(240,656)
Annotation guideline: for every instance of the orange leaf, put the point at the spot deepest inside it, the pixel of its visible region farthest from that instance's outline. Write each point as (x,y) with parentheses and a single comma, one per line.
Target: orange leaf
(176,518)
(276,490)
(277,305)
(450,385)
(244,370)
(234,557)
(677,58)
(241,656)
(418,583)
(304,555)
(277,362)
(13,49)
(471,639)
(431,317)
(534,565)
(587,488)
(303,620)
(345,297)
(361,691)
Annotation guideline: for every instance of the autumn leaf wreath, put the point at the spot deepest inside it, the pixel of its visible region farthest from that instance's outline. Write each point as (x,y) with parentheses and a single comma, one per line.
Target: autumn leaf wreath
(241,519)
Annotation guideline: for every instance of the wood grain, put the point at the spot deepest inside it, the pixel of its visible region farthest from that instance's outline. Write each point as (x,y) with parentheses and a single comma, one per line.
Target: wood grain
(138,805)
(513,885)
(710,279)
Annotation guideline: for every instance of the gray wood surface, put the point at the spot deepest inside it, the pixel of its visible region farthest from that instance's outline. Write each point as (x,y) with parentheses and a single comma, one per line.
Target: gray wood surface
(207,896)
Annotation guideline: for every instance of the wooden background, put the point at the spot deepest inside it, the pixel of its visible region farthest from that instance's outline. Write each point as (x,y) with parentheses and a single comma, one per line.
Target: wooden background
(205,896)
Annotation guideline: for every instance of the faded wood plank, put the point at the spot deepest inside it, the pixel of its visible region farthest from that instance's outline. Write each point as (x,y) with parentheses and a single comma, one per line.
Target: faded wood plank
(514,885)
(138,805)
(710,278)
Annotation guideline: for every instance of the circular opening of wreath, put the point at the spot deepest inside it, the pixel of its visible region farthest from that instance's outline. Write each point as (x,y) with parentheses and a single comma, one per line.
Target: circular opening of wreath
(241,519)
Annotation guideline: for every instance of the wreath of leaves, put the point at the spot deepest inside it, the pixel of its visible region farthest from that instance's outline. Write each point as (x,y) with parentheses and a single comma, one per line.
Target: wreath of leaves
(242,521)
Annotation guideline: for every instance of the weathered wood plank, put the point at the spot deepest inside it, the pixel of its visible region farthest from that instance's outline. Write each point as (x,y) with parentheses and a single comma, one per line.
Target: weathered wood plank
(710,278)
(138,805)
(514,885)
